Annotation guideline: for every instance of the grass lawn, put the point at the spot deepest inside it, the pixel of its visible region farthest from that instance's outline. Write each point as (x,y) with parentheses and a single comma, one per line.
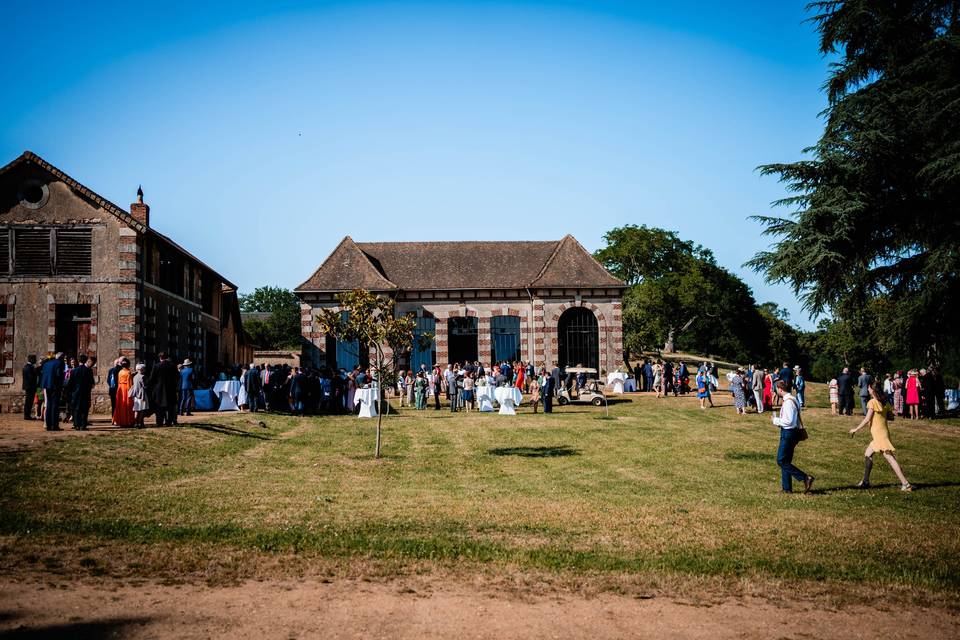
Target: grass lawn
(662,491)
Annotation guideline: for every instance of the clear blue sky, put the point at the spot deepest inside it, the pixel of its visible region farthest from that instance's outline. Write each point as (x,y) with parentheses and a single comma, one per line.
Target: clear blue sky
(264,132)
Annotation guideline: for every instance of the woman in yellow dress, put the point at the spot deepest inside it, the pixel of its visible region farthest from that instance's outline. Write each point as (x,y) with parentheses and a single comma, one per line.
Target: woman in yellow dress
(878,412)
(123,412)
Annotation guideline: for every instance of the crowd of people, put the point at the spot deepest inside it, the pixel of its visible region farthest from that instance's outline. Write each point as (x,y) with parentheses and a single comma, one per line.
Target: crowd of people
(751,387)
(461,382)
(913,394)
(59,388)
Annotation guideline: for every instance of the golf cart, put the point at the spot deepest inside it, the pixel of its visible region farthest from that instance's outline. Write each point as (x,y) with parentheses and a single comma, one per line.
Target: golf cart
(591,392)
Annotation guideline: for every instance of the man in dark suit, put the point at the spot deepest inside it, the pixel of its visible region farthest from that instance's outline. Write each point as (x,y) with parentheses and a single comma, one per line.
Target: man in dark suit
(555,376)
(298,382)
(81,384)
(29,385)
(546,393)
(162,385)
(51,381)
(668,385)
(845,392)
(252,384)
(112,374)
(785,374)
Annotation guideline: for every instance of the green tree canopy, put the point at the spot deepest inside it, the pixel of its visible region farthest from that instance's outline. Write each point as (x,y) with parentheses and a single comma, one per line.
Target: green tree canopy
(874,226)
(268,299)
(678,290)
(281,330)
(370,320)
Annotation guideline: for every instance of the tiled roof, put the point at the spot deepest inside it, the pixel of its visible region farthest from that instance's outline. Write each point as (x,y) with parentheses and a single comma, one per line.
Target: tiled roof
(390,266)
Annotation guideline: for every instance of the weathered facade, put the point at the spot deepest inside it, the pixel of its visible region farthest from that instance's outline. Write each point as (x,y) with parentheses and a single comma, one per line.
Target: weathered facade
(78,274)
(545,302)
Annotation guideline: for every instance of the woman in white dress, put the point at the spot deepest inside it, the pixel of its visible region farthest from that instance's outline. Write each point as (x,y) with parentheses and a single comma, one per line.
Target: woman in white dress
(658,378)
(138,392)
(243,399)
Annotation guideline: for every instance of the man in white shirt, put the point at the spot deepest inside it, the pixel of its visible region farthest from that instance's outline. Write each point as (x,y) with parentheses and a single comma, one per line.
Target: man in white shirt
(789,423)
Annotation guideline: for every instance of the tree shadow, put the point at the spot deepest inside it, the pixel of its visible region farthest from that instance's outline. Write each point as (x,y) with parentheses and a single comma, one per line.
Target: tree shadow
(94,630)
(225,430)
(535,452)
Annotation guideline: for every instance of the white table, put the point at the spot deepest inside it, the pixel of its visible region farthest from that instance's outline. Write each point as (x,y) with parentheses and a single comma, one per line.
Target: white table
(617,380)
(508,397)
(228,390)
(367,399)
(952,396)
(485,397)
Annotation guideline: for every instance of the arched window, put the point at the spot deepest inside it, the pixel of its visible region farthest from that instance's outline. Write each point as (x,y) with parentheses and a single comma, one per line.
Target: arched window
(504,338)
(578,338)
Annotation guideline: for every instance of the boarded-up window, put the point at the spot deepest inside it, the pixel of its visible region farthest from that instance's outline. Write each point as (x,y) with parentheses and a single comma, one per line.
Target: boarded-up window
(3,327)
(32,252)
(74,252)
(4,251)
(47,251)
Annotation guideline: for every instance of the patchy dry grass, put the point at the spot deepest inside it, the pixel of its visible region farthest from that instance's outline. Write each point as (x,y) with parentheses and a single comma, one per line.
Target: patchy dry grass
(663,492)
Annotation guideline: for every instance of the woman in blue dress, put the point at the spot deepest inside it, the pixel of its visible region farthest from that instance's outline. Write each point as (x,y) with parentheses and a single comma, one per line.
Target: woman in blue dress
(800,385)
(703,388)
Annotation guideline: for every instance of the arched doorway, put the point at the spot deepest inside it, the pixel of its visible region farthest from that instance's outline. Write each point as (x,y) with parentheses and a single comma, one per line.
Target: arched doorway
(462,339)
(578,338)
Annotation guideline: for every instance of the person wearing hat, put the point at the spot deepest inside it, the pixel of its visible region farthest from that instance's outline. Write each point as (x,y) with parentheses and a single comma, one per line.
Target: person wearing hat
(799,384)
(187,380)
(138,393)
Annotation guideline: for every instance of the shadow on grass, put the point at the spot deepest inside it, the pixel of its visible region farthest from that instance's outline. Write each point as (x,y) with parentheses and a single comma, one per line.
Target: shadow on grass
(749,455)
(917,486)
(535,452)
(225,430)
(94,630)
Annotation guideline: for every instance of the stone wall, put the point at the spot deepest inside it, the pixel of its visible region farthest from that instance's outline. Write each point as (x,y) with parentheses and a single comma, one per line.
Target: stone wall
(539,317)
(32,300)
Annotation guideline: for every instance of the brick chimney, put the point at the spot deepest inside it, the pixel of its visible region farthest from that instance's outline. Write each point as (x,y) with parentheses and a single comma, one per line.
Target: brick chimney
(139,210)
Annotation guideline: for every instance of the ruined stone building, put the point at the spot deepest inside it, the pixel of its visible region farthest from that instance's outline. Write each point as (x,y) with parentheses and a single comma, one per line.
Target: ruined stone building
(546,302)
(78,274)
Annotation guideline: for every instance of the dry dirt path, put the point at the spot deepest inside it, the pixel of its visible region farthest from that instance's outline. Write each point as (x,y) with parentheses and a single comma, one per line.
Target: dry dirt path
(424,609)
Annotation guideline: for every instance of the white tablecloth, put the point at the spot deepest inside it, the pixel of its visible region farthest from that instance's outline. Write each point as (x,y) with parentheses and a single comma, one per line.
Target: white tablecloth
(952,397)
(508,397)
(617,380)
(367,399)
(485,397)
(227,390)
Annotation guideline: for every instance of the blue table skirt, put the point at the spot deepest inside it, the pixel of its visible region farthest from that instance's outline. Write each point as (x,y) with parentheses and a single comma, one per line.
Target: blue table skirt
(205,400)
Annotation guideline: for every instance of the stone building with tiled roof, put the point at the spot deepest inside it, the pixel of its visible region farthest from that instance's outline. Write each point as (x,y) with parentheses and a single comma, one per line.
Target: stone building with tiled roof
(546,301)
(79,274)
